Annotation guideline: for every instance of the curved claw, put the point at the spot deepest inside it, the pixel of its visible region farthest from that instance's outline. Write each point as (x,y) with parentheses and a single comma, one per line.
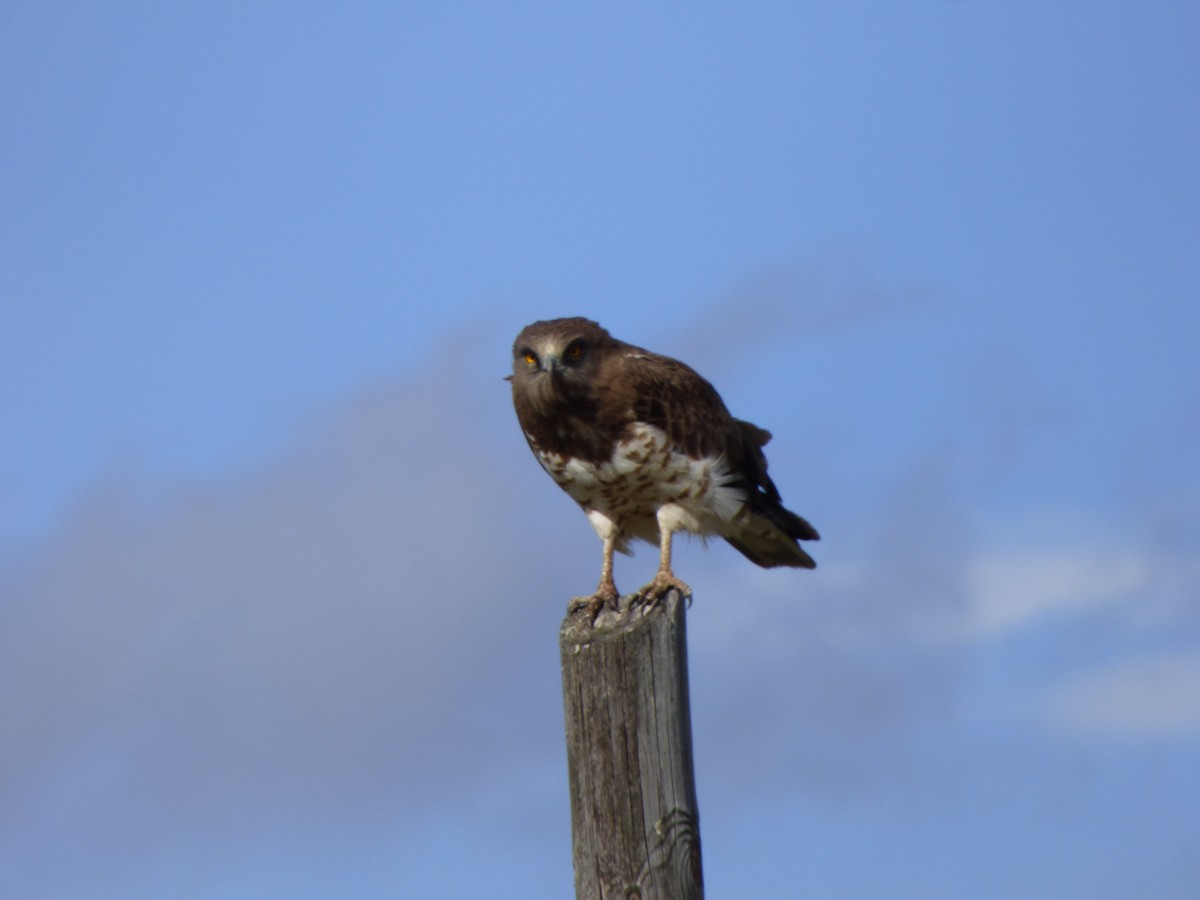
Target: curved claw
(662,584)
(606,595)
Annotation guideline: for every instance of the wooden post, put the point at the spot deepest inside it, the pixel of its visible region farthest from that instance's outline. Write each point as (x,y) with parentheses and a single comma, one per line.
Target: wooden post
(635,830)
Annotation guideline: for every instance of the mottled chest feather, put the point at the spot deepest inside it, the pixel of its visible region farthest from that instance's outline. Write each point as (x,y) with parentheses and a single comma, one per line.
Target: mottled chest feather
(642,473)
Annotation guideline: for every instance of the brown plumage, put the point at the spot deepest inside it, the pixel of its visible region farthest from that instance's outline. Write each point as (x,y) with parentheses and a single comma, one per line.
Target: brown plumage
(646,447)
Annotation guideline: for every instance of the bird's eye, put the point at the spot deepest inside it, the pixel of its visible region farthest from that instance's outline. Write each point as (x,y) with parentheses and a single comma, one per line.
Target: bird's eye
(575,351)
(530,358)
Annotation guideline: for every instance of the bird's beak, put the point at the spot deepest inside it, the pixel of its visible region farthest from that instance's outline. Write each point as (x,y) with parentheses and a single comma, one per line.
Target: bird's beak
(553,366)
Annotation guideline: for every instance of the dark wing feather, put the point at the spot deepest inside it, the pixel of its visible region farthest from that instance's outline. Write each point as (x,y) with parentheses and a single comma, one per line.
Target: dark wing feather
(674,397)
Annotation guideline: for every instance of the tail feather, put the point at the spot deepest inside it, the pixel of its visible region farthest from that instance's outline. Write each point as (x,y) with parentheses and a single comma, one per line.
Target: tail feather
(768,535)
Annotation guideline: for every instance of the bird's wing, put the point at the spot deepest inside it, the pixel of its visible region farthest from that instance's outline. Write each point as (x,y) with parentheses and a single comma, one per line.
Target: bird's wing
(672,396)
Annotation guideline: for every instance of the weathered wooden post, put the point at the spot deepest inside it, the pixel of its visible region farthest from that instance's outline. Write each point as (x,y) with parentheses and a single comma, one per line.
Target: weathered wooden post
(635,830)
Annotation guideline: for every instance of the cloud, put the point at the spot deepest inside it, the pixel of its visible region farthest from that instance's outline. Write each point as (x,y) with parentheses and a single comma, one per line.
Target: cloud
(345,635)
(1155,696)
(364,632)
(836,294)
(1018,588)
(817,681)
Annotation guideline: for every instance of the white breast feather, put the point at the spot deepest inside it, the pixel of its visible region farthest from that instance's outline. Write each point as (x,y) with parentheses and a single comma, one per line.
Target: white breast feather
(645,483)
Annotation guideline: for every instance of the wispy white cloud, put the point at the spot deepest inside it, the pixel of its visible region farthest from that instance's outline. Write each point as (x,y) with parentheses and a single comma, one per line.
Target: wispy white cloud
(1008,590)
(1154,696)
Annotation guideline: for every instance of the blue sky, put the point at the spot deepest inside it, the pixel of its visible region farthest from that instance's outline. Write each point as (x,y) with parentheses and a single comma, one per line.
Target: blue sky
(280,583)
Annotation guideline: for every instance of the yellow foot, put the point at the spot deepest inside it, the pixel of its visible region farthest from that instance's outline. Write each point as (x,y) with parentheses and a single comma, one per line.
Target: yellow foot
(606,595)
(663,584)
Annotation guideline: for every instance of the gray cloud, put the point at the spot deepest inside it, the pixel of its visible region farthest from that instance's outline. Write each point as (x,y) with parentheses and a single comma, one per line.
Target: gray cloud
(835,294)
(366,629)
(853,667)
(332,639)
(365,632)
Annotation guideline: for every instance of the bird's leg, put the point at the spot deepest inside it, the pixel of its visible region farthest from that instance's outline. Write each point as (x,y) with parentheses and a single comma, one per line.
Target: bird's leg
(664,579)
(606,592)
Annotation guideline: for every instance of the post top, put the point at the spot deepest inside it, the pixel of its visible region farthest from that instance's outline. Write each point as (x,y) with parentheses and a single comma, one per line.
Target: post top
(579,628)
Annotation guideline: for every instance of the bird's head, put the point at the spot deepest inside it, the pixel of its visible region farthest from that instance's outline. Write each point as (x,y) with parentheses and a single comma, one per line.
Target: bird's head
(556,360)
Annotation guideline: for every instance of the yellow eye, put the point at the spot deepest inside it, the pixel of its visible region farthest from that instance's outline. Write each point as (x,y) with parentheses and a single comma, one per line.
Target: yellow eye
(574,351)
(530,359)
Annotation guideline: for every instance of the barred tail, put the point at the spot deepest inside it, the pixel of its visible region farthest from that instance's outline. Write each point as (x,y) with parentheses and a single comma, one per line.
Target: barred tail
(768,535)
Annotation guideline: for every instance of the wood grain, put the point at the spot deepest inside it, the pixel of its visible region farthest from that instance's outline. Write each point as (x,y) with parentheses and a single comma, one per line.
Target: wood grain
(634,820)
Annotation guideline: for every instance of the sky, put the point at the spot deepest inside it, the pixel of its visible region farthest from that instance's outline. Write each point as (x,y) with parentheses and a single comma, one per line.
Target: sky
(280,583)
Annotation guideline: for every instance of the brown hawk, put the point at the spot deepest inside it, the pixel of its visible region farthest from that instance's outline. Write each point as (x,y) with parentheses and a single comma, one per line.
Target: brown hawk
(647,448)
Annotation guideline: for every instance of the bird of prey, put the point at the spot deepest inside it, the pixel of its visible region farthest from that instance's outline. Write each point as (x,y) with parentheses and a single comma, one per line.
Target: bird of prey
(646,447)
